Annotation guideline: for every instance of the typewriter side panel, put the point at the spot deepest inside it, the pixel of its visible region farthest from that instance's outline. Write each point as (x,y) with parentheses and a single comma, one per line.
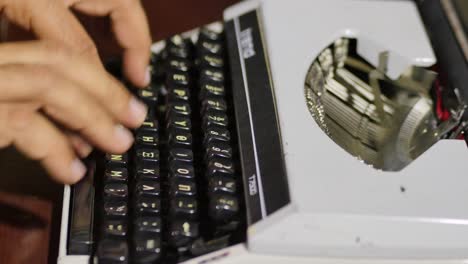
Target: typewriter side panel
(325,180)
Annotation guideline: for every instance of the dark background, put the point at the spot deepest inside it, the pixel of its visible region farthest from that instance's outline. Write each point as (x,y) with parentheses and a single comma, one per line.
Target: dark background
(30,203)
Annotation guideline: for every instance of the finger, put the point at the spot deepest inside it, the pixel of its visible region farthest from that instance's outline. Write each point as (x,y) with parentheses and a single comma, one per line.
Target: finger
(52,20)
(42,141)
(109,92)
(81,146)
(63,100)
(131,29)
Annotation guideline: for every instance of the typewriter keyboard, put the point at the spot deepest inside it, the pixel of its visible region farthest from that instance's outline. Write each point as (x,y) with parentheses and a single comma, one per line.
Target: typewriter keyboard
(177,193)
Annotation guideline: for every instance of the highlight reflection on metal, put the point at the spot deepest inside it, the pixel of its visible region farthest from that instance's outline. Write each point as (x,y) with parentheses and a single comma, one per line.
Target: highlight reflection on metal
(385,123)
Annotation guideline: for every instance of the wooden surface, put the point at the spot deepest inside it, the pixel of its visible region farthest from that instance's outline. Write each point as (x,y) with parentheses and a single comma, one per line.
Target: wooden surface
(30,204)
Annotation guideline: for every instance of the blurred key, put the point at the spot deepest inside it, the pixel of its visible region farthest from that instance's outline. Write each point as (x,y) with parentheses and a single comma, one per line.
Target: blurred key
(150,126)
(220,167)
(147,139)
(117,160)
(147,188)
(119,175)
(182,187)
(180,154)
(147,170)
(110,251)
(114,228)
(115,191)
(184,207)
(223,207)
(114,208)
(181,233)
(147,155)
(222,184)
(216,133)
(179,169)
(146,249)
(150,225)
(148,205)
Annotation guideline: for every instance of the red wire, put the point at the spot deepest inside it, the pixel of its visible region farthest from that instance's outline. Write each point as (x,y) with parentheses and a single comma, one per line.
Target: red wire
(442,113)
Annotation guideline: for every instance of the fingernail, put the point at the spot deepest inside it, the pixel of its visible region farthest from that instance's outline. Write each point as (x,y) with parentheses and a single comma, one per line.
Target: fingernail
(148,75)
(138,111)
(78,169)
(123,136)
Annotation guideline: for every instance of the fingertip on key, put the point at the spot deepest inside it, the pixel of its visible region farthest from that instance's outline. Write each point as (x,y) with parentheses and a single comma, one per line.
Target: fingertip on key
(137,112)
(78,170)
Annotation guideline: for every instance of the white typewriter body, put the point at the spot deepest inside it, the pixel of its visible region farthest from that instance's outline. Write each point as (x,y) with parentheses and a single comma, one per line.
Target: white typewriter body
(341,210)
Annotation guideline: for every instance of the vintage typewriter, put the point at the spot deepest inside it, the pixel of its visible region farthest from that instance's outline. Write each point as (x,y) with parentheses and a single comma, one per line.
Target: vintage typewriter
(326,131)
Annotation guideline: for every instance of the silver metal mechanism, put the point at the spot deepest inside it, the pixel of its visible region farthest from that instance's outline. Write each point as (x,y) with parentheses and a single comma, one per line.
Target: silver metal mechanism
(383,122)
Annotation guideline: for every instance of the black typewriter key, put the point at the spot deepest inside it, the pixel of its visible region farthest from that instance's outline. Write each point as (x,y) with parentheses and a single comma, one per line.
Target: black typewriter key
(180,108)
(180,139)
(148,139)
(148,205)
(178,79)
(211,76)
(208,34)
(212,61)
(149,95)
(215,118)
(149,126)
(147,188)
(115,208)
(182,187)
(212,90)
(181,233)
(144,155)
(178,41)
(222,184)
(115,174)
(180,154)
(114,228)
(176,64)
(178,52)
(147,249)
(147,170)
(148,224)
(112,251)
(218,149)
(117,159)
(177,47)
(180,122)
(115,190)
(184,207)
(178,94)
(216,133)
(212,103)
(157,67)
(210,47)
(220,167)
(223,207)
(179,169)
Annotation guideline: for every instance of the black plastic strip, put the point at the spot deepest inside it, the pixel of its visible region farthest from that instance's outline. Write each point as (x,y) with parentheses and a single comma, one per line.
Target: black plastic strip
(80,237)
(262,160)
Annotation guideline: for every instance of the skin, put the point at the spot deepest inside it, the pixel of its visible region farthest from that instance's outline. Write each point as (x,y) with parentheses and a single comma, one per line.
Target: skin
(54,92)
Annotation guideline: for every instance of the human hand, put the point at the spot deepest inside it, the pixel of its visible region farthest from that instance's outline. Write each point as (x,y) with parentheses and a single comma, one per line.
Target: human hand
(131,29)
(55,85)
